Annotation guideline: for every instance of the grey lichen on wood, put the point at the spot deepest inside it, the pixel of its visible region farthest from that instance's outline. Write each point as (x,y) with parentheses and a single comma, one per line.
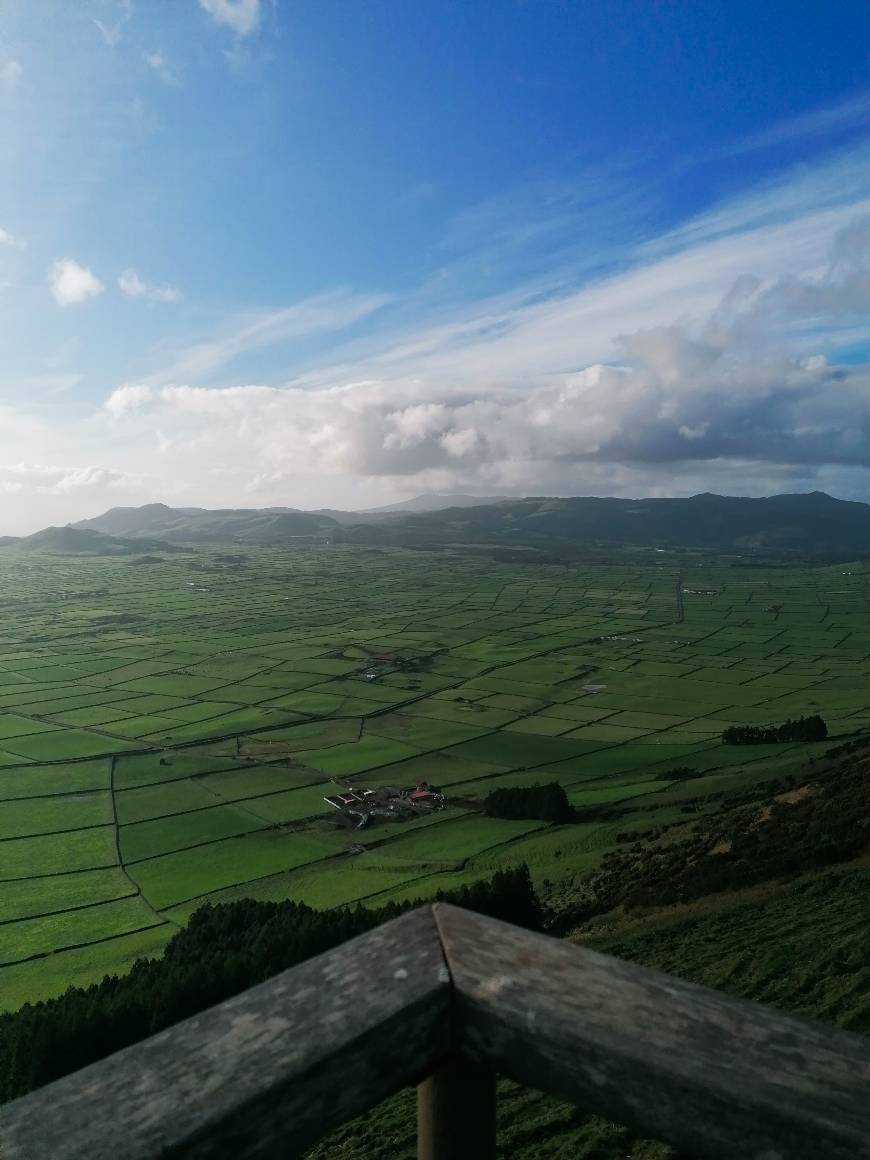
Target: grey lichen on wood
(265,1074)
(674,1061)
(262,1075)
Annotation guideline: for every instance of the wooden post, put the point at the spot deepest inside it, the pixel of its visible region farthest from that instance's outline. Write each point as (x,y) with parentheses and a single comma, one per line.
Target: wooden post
(456,1112)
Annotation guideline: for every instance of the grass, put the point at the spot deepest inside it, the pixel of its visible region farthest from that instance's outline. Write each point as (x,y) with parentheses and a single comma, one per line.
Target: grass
(53,974)
(452,841)
(47,780)
(57,853)
(292,804)
(367,753)
(222,720)
(31,937)
(64,745)
(173,878)
(165,834)
(155,801)
(45,815)
(32,896)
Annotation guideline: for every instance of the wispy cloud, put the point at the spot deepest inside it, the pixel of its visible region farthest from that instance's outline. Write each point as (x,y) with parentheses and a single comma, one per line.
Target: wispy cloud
(845,116)
(132,285)
(10,74)
(323,313)
(242,16)
(7,239)
(71,283)
(712,360)
(161,67)
(112,32)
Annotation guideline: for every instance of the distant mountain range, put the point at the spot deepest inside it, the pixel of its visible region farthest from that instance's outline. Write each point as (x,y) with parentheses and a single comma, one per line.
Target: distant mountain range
(811,525)
(434,502)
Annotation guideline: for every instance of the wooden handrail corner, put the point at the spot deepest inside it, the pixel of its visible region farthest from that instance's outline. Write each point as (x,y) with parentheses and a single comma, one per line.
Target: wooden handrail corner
(445,993)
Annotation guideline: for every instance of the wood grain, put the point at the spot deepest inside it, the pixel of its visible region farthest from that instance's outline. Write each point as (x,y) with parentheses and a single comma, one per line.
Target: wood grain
(673,1061)
(262,1075)
(446,993)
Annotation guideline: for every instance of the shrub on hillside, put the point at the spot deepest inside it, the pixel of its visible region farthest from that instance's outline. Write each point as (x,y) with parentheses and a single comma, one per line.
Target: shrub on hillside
(803,729)
(547,802)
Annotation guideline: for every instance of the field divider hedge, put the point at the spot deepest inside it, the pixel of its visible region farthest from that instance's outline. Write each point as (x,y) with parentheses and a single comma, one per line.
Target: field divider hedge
(54,833)
(161,921)
(69,909)
(247,881)
(119,856)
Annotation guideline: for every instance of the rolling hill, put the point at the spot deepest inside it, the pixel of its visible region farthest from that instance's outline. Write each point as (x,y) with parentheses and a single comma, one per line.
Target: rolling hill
(84,542)
(814,524)
(807,525)
(202,525)
(434,502)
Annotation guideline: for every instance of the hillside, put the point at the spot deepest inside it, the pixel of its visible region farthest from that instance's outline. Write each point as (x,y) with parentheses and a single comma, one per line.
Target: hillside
(201,525)
(434,502)
(811,526)
(815,525)
(85,542)
(796,939)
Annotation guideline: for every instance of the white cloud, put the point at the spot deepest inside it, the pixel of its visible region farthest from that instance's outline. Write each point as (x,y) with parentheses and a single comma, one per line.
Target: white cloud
(129,397)
(721,356)
(242,16)
(10,74)
(71,282)
(7,239)
(113,33)
(133,286)
(158,63)
(40,479)
(732,384)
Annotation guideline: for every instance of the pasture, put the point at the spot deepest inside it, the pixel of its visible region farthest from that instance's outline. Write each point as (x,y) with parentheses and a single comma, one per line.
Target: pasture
(168,732)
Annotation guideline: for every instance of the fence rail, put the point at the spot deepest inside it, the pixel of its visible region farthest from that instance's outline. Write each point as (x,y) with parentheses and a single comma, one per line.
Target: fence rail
(445,999)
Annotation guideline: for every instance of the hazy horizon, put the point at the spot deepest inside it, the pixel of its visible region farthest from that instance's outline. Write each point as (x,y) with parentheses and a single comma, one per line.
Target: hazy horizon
(243,506)
(254,256)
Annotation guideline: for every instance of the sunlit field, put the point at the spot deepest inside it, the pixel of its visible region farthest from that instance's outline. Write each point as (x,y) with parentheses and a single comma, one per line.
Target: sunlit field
(169,727)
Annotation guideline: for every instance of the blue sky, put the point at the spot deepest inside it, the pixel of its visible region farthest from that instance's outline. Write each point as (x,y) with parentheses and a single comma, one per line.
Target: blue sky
(337,253)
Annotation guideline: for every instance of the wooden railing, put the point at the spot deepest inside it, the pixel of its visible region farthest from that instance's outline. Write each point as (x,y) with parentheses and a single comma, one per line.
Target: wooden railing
(445,999)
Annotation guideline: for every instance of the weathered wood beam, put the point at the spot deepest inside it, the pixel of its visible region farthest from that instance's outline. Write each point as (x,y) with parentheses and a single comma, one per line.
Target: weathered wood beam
(673,1061)
(267,1073)
(262,1075)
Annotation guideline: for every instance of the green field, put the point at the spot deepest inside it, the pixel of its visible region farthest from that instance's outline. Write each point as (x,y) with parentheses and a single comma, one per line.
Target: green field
(168,733)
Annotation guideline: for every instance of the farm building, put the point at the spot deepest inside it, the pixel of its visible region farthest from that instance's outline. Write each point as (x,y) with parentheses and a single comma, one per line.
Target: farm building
(390,802)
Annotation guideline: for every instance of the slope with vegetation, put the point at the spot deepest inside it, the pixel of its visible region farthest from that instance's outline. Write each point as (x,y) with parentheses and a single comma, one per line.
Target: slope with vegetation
(84,542)
(201,525)
(790,932)
(796,939)
(812,526)
(169,733)
(223,950)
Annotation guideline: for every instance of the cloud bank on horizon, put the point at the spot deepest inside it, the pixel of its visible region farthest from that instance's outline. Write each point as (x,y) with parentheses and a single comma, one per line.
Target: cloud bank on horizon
(692,318)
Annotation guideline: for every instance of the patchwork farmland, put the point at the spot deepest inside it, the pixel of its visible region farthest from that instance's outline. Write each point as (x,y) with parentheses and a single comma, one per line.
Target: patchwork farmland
(170,728)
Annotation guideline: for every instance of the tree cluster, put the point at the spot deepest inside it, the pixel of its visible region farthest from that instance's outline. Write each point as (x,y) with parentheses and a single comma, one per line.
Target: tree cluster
(547,802)
(777,835)
(223,950)
(803,729)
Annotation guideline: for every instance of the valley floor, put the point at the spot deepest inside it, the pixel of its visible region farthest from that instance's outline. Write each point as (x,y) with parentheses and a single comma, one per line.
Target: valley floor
(170,727)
